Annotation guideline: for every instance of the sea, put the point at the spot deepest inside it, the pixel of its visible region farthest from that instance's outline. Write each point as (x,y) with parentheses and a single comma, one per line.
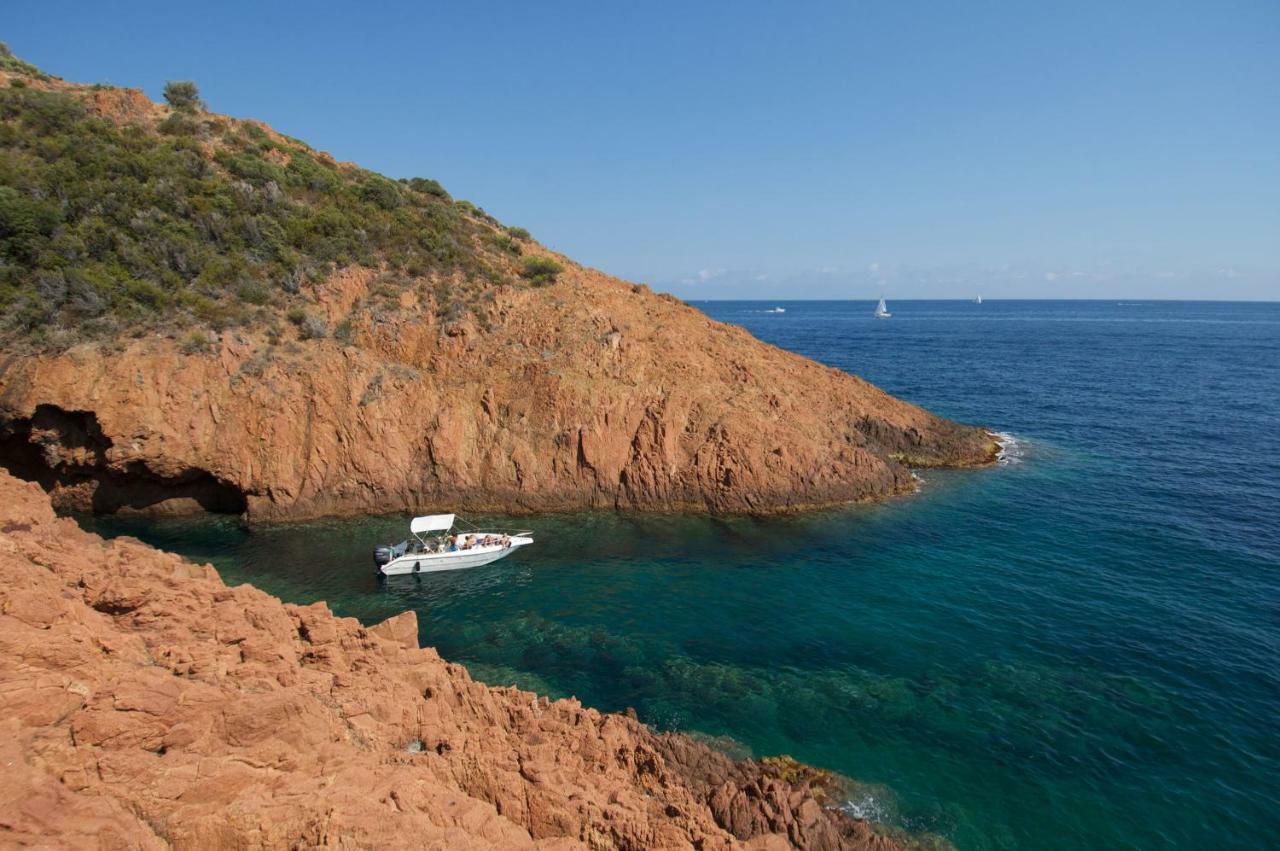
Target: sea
(1078,647)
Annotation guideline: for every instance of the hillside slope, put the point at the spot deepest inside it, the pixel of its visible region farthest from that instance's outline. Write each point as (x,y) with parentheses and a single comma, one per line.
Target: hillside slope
(202,313)
(144,704)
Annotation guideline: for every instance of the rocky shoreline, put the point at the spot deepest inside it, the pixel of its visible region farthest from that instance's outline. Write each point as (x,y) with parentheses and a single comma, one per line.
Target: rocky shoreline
(145,704)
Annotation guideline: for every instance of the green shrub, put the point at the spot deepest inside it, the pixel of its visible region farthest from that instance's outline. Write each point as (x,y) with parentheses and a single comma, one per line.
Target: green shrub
(382,192)
(251,292)
(344,332)
(519,233)
(183,94)
(504,243)
(180,124)
(255,134)
(306,172)
(195,342)
(540,270)
(428,186)
(26,224)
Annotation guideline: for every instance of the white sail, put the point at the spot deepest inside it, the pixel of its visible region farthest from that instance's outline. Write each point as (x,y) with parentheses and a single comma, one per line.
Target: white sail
(882,310)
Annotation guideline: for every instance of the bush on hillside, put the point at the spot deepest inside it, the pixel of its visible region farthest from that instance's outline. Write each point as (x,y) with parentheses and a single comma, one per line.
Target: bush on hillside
(183,94)
(504,243)
(181,124)
(195,343)
(313,327)
(427,186)
(541,271)
(382,192)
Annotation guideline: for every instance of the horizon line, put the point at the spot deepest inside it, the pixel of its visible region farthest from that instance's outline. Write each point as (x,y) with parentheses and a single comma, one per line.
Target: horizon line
(1019,298)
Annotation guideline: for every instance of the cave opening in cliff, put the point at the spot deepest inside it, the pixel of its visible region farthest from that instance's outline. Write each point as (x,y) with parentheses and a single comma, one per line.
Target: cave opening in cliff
(66,453)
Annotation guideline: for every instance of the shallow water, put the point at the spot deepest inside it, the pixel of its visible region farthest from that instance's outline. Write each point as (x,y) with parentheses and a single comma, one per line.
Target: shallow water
(1078,648)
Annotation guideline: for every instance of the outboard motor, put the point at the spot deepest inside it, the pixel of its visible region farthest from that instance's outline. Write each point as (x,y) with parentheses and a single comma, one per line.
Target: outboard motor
(381,555)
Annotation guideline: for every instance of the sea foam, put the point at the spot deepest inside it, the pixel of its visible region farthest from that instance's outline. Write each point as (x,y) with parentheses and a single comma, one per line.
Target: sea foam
(866,807)
(1011,449)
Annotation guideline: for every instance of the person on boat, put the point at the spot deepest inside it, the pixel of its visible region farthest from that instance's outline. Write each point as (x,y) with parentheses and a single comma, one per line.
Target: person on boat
(453,543)
(506,541)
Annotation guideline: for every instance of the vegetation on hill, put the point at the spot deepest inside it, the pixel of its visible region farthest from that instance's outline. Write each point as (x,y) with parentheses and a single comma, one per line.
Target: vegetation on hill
(192,219)
(12,64)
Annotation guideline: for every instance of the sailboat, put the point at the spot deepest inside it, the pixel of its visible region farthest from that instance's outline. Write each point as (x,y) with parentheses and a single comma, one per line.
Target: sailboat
(978,300)
(882,310)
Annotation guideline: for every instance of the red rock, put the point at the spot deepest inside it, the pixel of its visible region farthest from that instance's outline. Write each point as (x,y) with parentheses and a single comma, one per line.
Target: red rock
(684,413)
(148,705)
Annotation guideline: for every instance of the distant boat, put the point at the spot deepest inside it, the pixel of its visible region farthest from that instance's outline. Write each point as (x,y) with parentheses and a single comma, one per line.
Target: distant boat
(777,310)
(882,310)
(978,300)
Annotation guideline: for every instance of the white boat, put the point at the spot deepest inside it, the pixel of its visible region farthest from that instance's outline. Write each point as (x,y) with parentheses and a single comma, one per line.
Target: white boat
(777,310)
(437,546)
(978,300)
(882,310)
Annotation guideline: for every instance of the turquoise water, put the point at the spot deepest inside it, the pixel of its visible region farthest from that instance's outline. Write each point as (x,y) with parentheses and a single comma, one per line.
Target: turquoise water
(1079,648)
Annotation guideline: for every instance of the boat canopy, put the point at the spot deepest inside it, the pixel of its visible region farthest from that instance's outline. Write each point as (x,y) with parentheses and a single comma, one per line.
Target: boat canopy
(431,523)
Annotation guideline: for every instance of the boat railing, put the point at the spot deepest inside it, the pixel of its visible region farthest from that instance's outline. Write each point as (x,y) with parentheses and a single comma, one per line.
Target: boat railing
(462,526)
(496,533)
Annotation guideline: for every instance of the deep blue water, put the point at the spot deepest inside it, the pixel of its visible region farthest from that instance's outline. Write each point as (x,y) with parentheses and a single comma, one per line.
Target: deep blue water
(1080,648)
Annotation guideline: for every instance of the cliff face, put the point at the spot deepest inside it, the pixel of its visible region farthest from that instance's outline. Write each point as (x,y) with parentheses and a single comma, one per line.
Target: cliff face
(144,704)
(587,393)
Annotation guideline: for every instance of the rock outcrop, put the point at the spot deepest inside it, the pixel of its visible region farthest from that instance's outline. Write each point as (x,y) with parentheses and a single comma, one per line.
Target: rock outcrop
(587,393)
(145,704)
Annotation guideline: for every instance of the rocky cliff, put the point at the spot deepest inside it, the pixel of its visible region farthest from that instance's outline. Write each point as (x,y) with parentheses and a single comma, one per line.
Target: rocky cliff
(589,392)
(202,313)
(145,704)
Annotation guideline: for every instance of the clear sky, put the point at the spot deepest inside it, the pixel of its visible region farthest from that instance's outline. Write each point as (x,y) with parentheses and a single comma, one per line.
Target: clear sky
(844,149)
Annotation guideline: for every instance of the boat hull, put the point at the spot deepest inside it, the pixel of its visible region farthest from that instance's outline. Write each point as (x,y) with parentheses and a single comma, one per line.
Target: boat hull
(458,560)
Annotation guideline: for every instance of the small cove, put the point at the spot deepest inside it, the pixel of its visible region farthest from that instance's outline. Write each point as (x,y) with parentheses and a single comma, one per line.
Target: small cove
(1078,648)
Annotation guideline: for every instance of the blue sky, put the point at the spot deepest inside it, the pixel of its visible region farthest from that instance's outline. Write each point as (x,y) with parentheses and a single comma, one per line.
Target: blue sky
(1040,149)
